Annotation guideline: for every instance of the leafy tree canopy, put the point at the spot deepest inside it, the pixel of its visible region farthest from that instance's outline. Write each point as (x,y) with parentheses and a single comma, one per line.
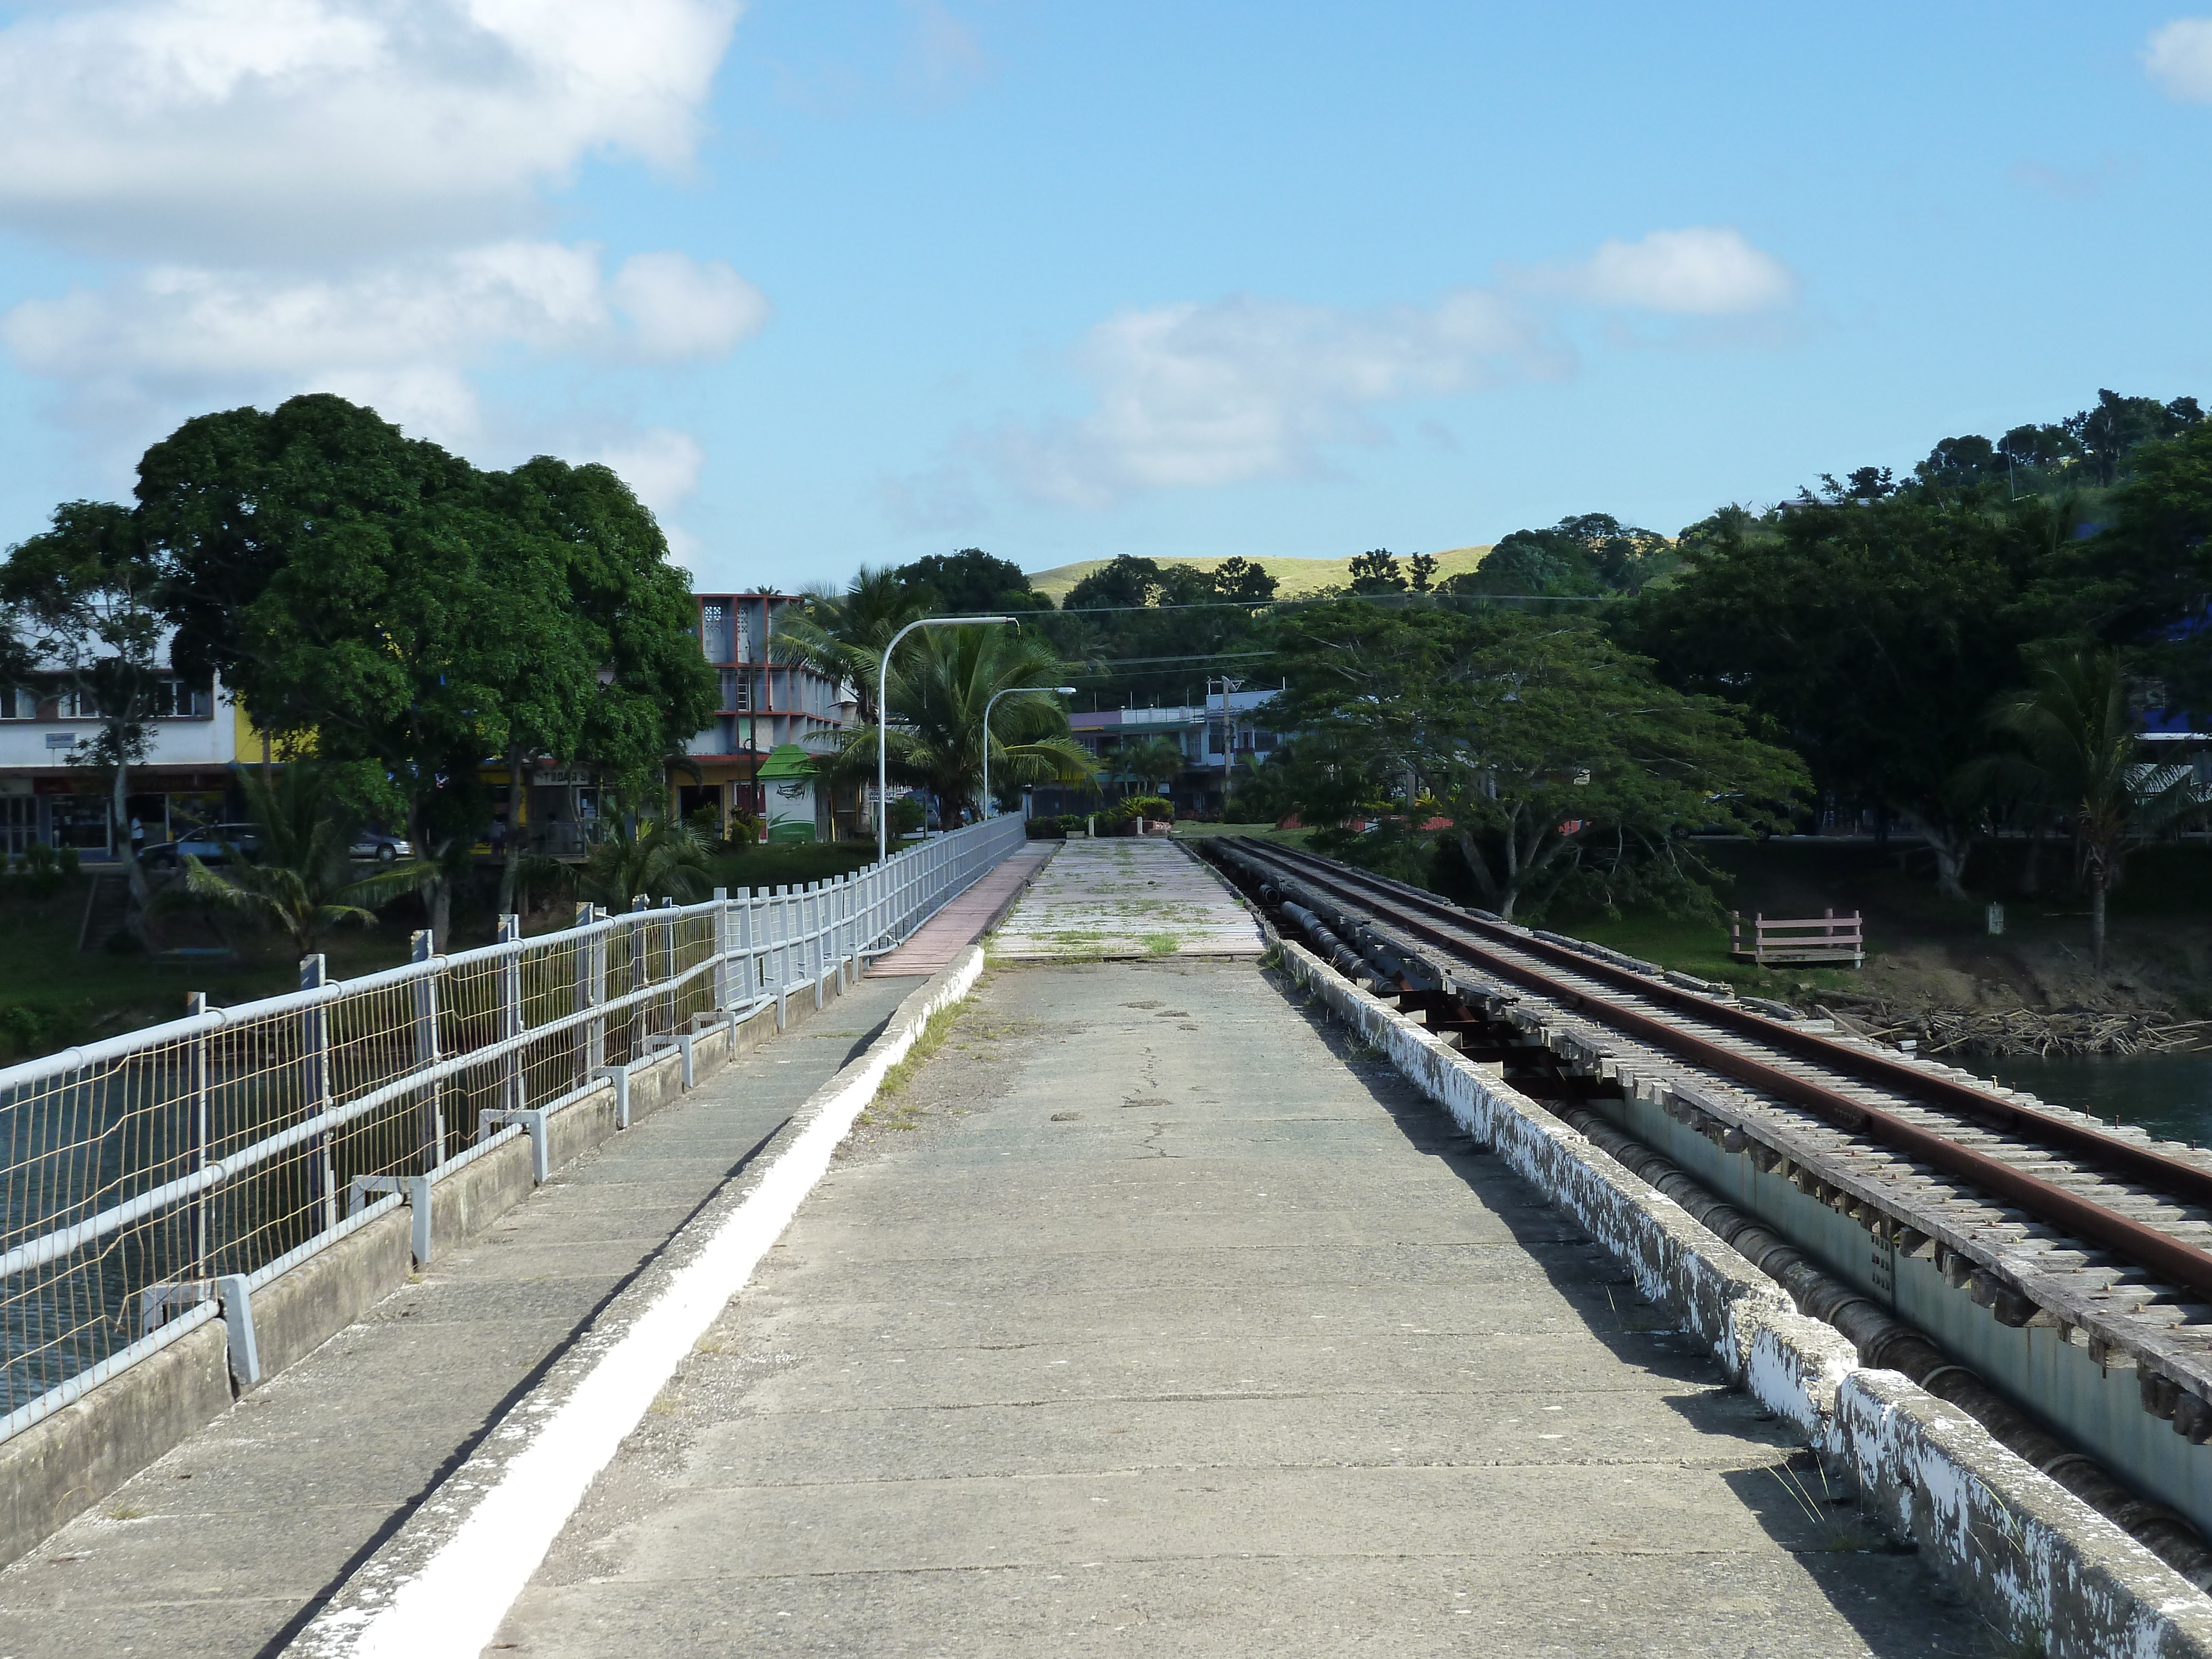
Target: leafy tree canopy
(972,582)
(1122,583)
(1554,754)
(1377,571)
(1587,554)
(1869,633)
(382,603)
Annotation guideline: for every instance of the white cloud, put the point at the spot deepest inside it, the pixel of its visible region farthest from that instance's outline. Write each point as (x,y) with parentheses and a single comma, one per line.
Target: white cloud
(661,465)
(399,336)
(1702,272)
(1247,388)
(175,125)
(2179,57)
(1192,395)
(680,308)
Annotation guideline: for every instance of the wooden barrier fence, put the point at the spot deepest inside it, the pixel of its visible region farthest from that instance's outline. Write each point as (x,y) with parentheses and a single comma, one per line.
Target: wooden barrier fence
(1827,941)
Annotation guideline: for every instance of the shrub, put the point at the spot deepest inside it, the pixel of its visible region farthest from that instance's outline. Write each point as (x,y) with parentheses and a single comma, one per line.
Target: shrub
(40,870)
(1158,808)
(906,815)
(34,1028)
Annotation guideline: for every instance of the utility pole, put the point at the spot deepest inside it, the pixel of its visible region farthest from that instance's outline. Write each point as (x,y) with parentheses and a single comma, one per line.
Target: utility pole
(1228,739)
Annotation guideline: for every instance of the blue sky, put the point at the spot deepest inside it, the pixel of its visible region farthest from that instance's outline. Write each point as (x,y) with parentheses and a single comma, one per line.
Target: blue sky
(837,283)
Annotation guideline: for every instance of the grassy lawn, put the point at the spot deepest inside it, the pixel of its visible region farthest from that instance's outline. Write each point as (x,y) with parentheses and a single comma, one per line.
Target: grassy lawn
(52,994)
(791,864)
(2158,918)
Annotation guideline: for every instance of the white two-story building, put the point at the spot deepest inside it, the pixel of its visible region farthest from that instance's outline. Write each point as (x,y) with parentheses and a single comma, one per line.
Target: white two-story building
(183,782)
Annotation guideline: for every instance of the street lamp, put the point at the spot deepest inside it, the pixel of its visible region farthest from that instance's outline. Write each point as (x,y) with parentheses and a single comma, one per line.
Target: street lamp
(1063,690)
(883,719)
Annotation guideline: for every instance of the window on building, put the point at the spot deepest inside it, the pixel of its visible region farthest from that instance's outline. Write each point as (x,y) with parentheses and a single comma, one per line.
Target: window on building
(80,821)
(180,700)
(717,632)
(78,706)
(19,824)
(18,704)
(737,690)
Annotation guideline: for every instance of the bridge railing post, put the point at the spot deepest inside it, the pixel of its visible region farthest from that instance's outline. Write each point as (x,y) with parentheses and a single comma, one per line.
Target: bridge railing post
(510,1013)
(315,1092)
(430,1104)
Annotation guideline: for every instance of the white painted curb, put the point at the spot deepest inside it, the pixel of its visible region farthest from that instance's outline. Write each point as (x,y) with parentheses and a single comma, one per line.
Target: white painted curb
(449,1605)
(2056,1576)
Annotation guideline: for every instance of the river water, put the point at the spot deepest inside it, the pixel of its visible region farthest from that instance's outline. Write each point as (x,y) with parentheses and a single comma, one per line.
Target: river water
(2169,1095)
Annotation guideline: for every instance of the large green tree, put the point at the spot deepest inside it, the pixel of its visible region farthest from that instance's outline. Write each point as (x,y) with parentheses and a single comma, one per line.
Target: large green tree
(380,602)
(2145,583)
(972,582)
(1553,753)
(1867,632)
(2076,745)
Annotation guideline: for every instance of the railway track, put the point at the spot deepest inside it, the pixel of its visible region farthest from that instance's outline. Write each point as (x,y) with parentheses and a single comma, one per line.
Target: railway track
(2066,1261)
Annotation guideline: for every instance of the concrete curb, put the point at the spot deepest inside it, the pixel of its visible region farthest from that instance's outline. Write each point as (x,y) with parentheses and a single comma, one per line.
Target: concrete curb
(2049,1573)
(63,1465)
(441,1586)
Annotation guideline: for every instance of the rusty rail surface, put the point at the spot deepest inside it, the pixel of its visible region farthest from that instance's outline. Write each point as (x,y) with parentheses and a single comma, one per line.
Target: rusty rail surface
(1409,910)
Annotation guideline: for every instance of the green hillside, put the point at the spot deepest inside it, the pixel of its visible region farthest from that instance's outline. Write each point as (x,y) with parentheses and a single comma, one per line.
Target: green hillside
(1297,576)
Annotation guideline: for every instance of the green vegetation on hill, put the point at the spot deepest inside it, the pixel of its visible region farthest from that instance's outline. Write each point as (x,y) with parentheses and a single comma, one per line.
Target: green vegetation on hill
(1298,578)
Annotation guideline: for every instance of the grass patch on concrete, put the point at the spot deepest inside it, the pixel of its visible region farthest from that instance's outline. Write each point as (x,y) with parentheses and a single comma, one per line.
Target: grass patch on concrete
(1160,945)
(926,1042)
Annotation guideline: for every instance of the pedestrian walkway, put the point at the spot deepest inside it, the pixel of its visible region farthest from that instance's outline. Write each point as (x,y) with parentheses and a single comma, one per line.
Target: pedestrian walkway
(965,919)
(1126,896)
(222,1546)
(1160,1323)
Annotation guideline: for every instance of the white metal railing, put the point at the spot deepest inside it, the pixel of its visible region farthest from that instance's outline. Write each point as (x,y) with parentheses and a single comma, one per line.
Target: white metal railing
(144,1178)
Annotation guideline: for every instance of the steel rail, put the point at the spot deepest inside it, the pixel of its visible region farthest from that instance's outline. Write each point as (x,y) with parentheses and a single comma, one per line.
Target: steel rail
(2160,1251)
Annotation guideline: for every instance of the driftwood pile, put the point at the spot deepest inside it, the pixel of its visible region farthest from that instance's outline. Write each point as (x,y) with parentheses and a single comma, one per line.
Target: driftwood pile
(1992,1033)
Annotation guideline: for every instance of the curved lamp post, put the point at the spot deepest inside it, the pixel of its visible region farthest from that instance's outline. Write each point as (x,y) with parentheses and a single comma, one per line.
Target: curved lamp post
(1063,690)
(883,719)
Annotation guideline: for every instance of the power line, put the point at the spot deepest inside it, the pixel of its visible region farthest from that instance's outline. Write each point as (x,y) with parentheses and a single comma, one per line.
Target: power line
(1202,656)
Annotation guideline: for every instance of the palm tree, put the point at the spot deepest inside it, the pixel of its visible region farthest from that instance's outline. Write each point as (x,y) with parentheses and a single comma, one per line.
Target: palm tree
(2078,738)
(1156,761)
(844,635)
(940,682)
(301,875)
(665,859)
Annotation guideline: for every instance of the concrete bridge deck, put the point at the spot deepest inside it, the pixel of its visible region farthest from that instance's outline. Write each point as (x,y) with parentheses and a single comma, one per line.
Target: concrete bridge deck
(1149,1321)
(1147,1317)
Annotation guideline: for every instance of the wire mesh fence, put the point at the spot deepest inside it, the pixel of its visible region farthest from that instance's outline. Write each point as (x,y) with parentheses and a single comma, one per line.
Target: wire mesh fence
(138,1174)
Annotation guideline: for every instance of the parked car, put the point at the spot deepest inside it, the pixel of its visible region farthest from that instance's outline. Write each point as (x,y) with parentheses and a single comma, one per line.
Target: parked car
(382,846)
(208,844)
